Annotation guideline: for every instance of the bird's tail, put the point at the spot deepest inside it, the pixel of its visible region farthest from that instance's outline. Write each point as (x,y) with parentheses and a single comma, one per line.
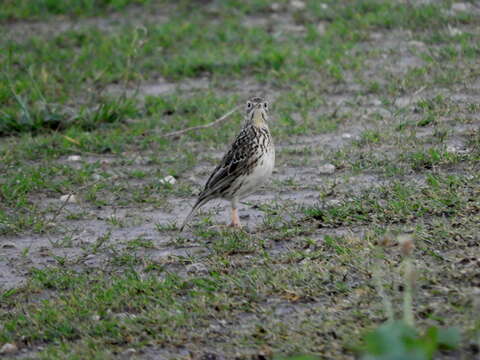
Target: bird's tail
(199,203)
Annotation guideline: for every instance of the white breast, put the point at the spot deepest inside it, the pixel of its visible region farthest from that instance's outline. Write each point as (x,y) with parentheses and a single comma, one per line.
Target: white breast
(259,175)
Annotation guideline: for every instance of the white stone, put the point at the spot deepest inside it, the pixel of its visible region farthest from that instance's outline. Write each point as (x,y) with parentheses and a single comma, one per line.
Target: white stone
(8,348)
(74,158)
(275,6)
(347,136)
(326,169)
(8,245)
(124,316)
(460,7)
(130,351)
(452,149)
(96,317)
(334,202)
(297,4)
(142,160)
(416,43)
(197,268)
(456,149)
(168,180)
(321,28)
(454,31)
(69,198)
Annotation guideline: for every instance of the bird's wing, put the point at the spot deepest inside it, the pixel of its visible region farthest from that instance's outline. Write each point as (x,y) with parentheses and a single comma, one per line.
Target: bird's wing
(242,154)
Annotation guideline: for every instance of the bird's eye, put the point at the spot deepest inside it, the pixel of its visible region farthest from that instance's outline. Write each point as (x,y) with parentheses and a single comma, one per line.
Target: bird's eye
(249,105)
(265,105)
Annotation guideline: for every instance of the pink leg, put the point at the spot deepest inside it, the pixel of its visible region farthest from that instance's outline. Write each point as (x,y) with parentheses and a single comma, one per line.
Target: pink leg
(235,219)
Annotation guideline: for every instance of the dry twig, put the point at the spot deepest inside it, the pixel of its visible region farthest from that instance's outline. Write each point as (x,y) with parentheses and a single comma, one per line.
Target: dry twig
(213,123)
(67,199)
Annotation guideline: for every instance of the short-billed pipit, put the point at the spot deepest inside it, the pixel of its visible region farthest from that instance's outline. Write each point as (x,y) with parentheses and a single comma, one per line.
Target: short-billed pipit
(248,163)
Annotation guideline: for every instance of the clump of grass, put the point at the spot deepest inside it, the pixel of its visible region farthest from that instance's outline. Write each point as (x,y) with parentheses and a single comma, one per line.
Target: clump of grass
(400,203)
(378,14)
(431,158)
(39,118)
(26,9)
(400,339)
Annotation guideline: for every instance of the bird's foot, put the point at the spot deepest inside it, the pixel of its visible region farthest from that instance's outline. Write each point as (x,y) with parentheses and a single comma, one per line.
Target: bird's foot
(235,219)
(235,225)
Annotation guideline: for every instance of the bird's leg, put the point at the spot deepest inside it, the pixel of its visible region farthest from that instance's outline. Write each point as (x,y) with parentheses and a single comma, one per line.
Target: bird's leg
(235,219)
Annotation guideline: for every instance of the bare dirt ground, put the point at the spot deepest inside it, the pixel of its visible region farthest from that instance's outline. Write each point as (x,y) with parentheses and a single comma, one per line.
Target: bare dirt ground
(86,237)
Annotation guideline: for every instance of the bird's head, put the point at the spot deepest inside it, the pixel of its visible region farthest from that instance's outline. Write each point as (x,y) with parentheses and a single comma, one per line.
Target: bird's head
(257,111)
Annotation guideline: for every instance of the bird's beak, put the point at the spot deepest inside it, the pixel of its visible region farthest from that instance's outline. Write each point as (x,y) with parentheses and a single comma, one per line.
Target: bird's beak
(258,116)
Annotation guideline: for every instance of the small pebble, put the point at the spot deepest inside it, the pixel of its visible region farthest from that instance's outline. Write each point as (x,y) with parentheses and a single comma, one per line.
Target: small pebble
(456,150)
(321,28)
(130,351)
(68,198)
(275,6)
(326,169)
(142,160)
(196,268)
(168,180)
(452,149)
(460,7)
(334,202)
(454,31)
(347,136)
(96,317)
(8,245)
(8,348)
(297,4)
(123,316)
(416,43)
(74,158)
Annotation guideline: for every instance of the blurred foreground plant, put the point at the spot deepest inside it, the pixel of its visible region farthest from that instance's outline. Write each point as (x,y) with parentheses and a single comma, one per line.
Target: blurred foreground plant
(399,339)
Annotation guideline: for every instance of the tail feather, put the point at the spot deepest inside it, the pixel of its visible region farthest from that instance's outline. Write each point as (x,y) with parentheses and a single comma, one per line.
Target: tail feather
(197,205)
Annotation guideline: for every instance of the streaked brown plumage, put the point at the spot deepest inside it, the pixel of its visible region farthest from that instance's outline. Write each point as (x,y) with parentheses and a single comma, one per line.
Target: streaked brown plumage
(246,165)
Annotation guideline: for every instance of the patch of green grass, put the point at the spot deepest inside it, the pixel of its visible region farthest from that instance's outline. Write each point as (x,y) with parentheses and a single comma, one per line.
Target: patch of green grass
(234,242)
(95,311)
(369,137)
(429,159)
(380,14)
(287,286)
(36,96)
(451,195)
(26,9)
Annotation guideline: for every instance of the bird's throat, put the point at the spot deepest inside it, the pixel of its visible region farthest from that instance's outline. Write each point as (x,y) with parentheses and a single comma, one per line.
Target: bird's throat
(258,119)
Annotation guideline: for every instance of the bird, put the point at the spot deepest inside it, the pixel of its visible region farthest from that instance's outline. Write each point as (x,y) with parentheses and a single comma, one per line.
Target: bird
(247,164)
